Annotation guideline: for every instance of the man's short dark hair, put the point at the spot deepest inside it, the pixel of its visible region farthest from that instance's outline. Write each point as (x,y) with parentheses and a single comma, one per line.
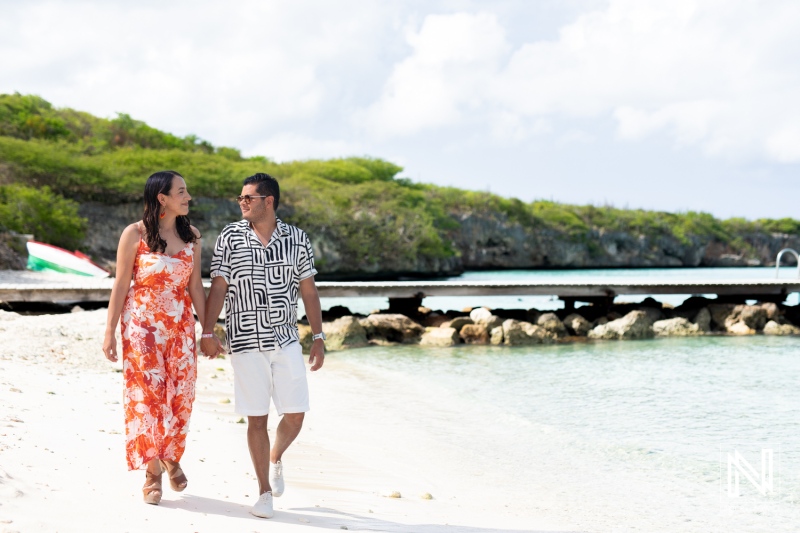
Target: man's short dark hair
(266,185)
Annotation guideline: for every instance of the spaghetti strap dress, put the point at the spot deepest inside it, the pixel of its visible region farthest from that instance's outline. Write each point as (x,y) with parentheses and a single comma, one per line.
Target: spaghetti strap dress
(159,362)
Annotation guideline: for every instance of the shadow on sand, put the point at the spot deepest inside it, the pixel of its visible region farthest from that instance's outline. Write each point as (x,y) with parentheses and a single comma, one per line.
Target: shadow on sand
(325,518)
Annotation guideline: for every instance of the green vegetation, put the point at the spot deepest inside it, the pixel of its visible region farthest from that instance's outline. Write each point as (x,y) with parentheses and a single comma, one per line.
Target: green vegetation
(50,217)
(374,217)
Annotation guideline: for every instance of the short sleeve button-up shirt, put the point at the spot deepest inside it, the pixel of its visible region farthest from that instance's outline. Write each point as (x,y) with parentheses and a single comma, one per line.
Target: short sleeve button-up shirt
(263,284)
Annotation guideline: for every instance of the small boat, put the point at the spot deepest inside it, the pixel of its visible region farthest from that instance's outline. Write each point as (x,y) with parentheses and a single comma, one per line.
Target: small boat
(43,256)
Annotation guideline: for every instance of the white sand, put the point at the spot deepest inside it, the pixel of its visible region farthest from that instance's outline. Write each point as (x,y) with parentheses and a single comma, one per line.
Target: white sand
(62,464)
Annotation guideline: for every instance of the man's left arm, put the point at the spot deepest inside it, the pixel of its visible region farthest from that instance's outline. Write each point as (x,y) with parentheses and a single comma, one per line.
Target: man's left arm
(308,291)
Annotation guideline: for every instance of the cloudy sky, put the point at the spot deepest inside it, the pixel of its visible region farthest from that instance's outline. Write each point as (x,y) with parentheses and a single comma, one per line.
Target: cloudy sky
(672,105)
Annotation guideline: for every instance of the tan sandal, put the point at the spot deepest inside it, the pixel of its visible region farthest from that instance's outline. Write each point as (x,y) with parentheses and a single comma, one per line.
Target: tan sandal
(177,479)
(152,488)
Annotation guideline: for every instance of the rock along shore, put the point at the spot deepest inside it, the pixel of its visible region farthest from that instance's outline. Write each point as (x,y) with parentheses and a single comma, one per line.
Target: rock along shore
(519,327)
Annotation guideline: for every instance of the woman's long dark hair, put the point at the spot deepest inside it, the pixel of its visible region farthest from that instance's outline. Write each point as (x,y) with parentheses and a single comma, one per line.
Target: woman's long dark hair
(161,183)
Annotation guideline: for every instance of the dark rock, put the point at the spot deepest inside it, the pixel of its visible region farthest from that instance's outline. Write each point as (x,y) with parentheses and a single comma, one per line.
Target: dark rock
(435,320)
(703,319)
(337,311)
(719,314)
(13,253)
(474,334)
(392,328)
(753,316)
(577,325)
(460,322)
(773,311)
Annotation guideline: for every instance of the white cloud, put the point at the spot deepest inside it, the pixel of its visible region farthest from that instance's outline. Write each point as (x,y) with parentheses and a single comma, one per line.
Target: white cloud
(712,74)
(228,74)
(784,145)
(289,147)
(718,75)
(453,61)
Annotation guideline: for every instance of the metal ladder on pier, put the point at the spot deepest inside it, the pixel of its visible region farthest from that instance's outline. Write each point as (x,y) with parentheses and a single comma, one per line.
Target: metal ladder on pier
(778,261)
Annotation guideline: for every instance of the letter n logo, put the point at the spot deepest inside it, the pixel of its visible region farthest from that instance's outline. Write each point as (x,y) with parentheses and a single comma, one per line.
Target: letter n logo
(738,465)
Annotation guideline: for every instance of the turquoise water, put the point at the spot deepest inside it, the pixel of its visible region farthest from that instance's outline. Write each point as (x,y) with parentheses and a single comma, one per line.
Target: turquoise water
(608,436)
(365,305)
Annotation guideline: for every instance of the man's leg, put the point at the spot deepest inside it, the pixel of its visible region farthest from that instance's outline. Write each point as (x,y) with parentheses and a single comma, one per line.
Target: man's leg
(258,442)
(288,429)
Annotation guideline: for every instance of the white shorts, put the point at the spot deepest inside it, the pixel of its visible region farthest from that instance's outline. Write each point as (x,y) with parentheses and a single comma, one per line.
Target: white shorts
(279,373)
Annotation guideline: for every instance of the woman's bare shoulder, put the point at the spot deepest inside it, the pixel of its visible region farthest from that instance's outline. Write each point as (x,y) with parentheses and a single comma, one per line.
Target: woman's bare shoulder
(131,233)
(196,232)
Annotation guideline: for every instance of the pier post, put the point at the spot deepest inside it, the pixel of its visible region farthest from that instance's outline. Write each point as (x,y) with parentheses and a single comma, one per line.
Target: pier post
(406,306)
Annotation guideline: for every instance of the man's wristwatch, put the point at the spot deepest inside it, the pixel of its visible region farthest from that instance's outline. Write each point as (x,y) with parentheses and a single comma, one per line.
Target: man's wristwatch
(319,336)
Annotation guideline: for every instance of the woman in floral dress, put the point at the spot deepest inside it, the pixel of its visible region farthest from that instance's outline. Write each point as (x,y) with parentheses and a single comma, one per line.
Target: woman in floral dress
(161,254)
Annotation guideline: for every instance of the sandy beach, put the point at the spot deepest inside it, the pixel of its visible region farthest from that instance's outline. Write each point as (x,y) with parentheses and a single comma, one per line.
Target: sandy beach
(62,462)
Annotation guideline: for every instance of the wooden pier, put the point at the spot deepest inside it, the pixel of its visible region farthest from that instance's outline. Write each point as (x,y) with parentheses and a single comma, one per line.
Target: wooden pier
(408,293)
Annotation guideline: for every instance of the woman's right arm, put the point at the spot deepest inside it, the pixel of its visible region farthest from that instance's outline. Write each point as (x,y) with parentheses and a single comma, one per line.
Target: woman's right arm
(126,255)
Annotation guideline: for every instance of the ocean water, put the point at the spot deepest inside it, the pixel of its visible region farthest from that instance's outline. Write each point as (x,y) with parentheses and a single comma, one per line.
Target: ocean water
(365,305)
(604,436)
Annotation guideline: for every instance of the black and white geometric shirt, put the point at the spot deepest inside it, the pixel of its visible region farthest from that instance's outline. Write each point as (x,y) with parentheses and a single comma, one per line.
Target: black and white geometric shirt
(263,284)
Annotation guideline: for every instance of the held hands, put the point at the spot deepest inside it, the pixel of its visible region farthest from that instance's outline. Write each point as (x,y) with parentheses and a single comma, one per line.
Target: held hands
(211,347)
(317,356)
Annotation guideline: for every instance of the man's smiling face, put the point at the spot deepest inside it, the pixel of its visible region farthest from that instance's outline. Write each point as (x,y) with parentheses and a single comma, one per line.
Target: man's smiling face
(256,210)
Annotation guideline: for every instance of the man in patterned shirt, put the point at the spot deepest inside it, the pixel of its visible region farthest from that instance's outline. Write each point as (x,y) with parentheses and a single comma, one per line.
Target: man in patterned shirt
(260,265)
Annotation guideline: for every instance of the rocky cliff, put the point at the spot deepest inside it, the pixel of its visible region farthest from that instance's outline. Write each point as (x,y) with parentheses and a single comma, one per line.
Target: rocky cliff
(481,241)
(491,241)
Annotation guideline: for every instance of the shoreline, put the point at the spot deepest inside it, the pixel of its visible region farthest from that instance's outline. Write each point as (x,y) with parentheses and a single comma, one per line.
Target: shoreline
(63,468)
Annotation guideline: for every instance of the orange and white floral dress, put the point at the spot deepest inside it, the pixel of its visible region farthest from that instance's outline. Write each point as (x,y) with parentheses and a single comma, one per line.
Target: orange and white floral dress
(158,356)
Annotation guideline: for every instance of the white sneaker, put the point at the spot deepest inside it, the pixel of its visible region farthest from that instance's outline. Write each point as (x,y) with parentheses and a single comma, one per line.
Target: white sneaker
(263,507)
(276,478)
